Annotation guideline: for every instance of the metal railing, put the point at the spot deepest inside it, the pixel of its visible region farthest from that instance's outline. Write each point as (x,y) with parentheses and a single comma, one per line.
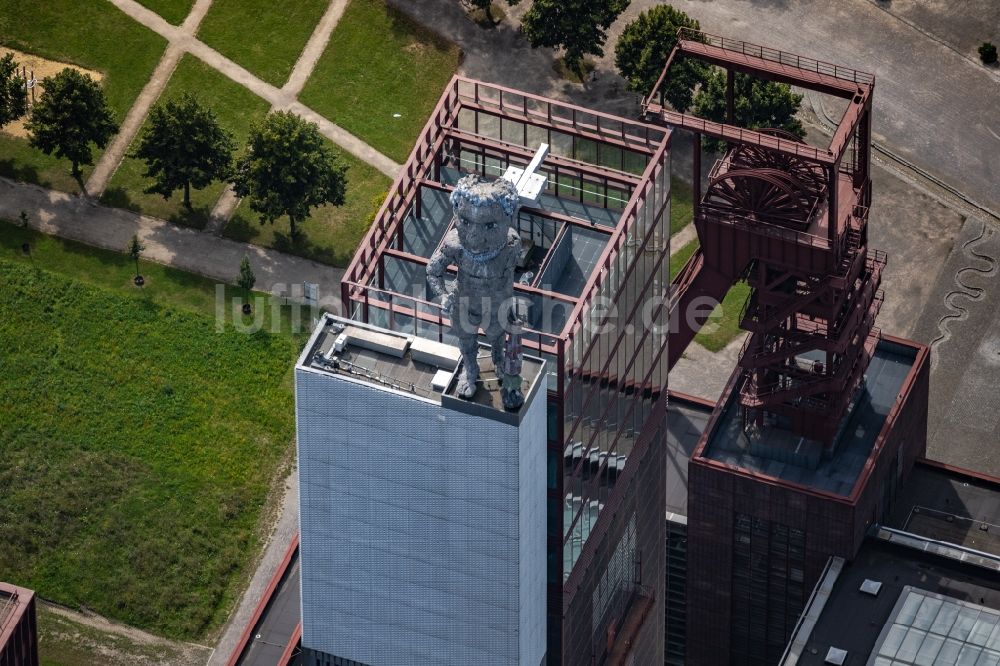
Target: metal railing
(778,57)
(762,228)
(554,114)
(429,313)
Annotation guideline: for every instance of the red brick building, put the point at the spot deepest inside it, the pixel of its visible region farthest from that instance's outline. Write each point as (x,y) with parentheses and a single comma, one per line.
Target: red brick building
(762,525)
(18,627)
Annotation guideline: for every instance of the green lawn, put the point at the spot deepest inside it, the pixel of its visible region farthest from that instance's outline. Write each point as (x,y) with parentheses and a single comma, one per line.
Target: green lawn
(679,258)
(174,11)
(146,512)
(724,322)
(91,34)
(332,234)
(235,108)
(65,642)
(681,209)
(723,325)
(379,63)
(264,36)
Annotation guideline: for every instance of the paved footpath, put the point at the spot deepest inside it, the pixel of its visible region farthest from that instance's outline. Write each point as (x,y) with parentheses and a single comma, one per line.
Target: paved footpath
(112,157)
(81,219)
(278,98)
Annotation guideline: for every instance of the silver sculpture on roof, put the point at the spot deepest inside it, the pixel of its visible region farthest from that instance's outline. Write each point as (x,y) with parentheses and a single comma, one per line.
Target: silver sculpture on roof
(484,245)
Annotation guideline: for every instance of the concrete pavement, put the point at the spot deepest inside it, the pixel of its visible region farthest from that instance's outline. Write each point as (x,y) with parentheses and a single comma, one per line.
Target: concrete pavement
(932,105)
(81,219)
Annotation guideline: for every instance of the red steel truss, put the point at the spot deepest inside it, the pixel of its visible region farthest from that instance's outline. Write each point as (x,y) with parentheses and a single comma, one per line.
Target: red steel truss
(792,220)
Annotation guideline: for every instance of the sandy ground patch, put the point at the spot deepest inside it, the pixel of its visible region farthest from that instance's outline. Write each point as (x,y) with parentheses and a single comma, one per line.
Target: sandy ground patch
(42,68)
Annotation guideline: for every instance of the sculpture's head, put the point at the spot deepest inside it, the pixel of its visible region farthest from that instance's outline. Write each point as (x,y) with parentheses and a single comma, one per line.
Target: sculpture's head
(485,211)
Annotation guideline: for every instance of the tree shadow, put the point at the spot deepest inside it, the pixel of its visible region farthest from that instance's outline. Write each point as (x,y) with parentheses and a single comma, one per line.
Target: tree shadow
(196,218)
(118,197)
(403,26)
(242,228)
(9,168)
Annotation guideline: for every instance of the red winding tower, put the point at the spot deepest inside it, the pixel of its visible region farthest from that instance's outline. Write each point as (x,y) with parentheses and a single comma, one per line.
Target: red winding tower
(793,221)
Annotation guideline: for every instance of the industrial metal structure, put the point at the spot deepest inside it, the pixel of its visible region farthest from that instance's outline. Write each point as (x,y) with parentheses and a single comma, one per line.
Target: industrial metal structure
(792,220)
(819,426)
(823,417)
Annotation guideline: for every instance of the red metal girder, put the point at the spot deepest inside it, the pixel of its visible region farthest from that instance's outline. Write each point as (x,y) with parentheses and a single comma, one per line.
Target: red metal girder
(646,144)
(294,643)
(604,173)
(528,342)
(525,288)
(531,210)
(789,69)
(859,107)
(733,134)
(573,128)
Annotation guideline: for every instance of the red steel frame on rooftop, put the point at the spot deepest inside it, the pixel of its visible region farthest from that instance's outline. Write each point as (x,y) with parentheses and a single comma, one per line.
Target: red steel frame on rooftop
(463,93)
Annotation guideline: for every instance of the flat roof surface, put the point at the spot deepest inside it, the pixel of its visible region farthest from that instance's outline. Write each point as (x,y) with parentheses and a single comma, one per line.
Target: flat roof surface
(838,472)
(392,361)
(854,621)
(14,602)
(947,506)
(686,422)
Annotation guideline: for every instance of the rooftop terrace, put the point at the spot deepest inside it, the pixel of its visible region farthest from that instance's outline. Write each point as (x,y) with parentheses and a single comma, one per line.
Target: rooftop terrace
(416,366)
(782,455)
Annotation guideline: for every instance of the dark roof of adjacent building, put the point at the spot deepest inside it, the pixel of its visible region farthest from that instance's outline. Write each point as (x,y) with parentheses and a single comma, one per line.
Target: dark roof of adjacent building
(14,602)
(936,564)
(775,454)
(959,611)
(948,505)
(686,421)
(282,614)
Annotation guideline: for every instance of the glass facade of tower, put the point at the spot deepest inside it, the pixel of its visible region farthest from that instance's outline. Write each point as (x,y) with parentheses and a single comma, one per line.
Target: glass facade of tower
(591,286)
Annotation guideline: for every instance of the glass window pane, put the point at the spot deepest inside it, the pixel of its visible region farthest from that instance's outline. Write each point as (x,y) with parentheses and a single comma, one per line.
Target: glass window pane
(928,651)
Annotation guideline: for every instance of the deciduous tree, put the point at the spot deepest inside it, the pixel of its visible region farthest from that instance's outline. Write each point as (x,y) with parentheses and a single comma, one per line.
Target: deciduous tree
(12,98)
(288,169)
(184,147)
(72,114)
(756,104)
(643,49)
(987,53)
(579,27)
(134,250)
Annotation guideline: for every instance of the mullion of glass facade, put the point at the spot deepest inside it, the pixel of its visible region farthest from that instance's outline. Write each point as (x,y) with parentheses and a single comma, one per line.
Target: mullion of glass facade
(623,370)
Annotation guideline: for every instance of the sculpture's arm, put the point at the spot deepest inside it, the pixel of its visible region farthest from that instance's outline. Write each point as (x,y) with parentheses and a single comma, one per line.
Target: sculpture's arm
(438,264)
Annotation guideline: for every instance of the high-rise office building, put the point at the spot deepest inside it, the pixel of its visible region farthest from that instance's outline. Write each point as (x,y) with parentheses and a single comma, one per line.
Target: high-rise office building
(422,514)
(591,275)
